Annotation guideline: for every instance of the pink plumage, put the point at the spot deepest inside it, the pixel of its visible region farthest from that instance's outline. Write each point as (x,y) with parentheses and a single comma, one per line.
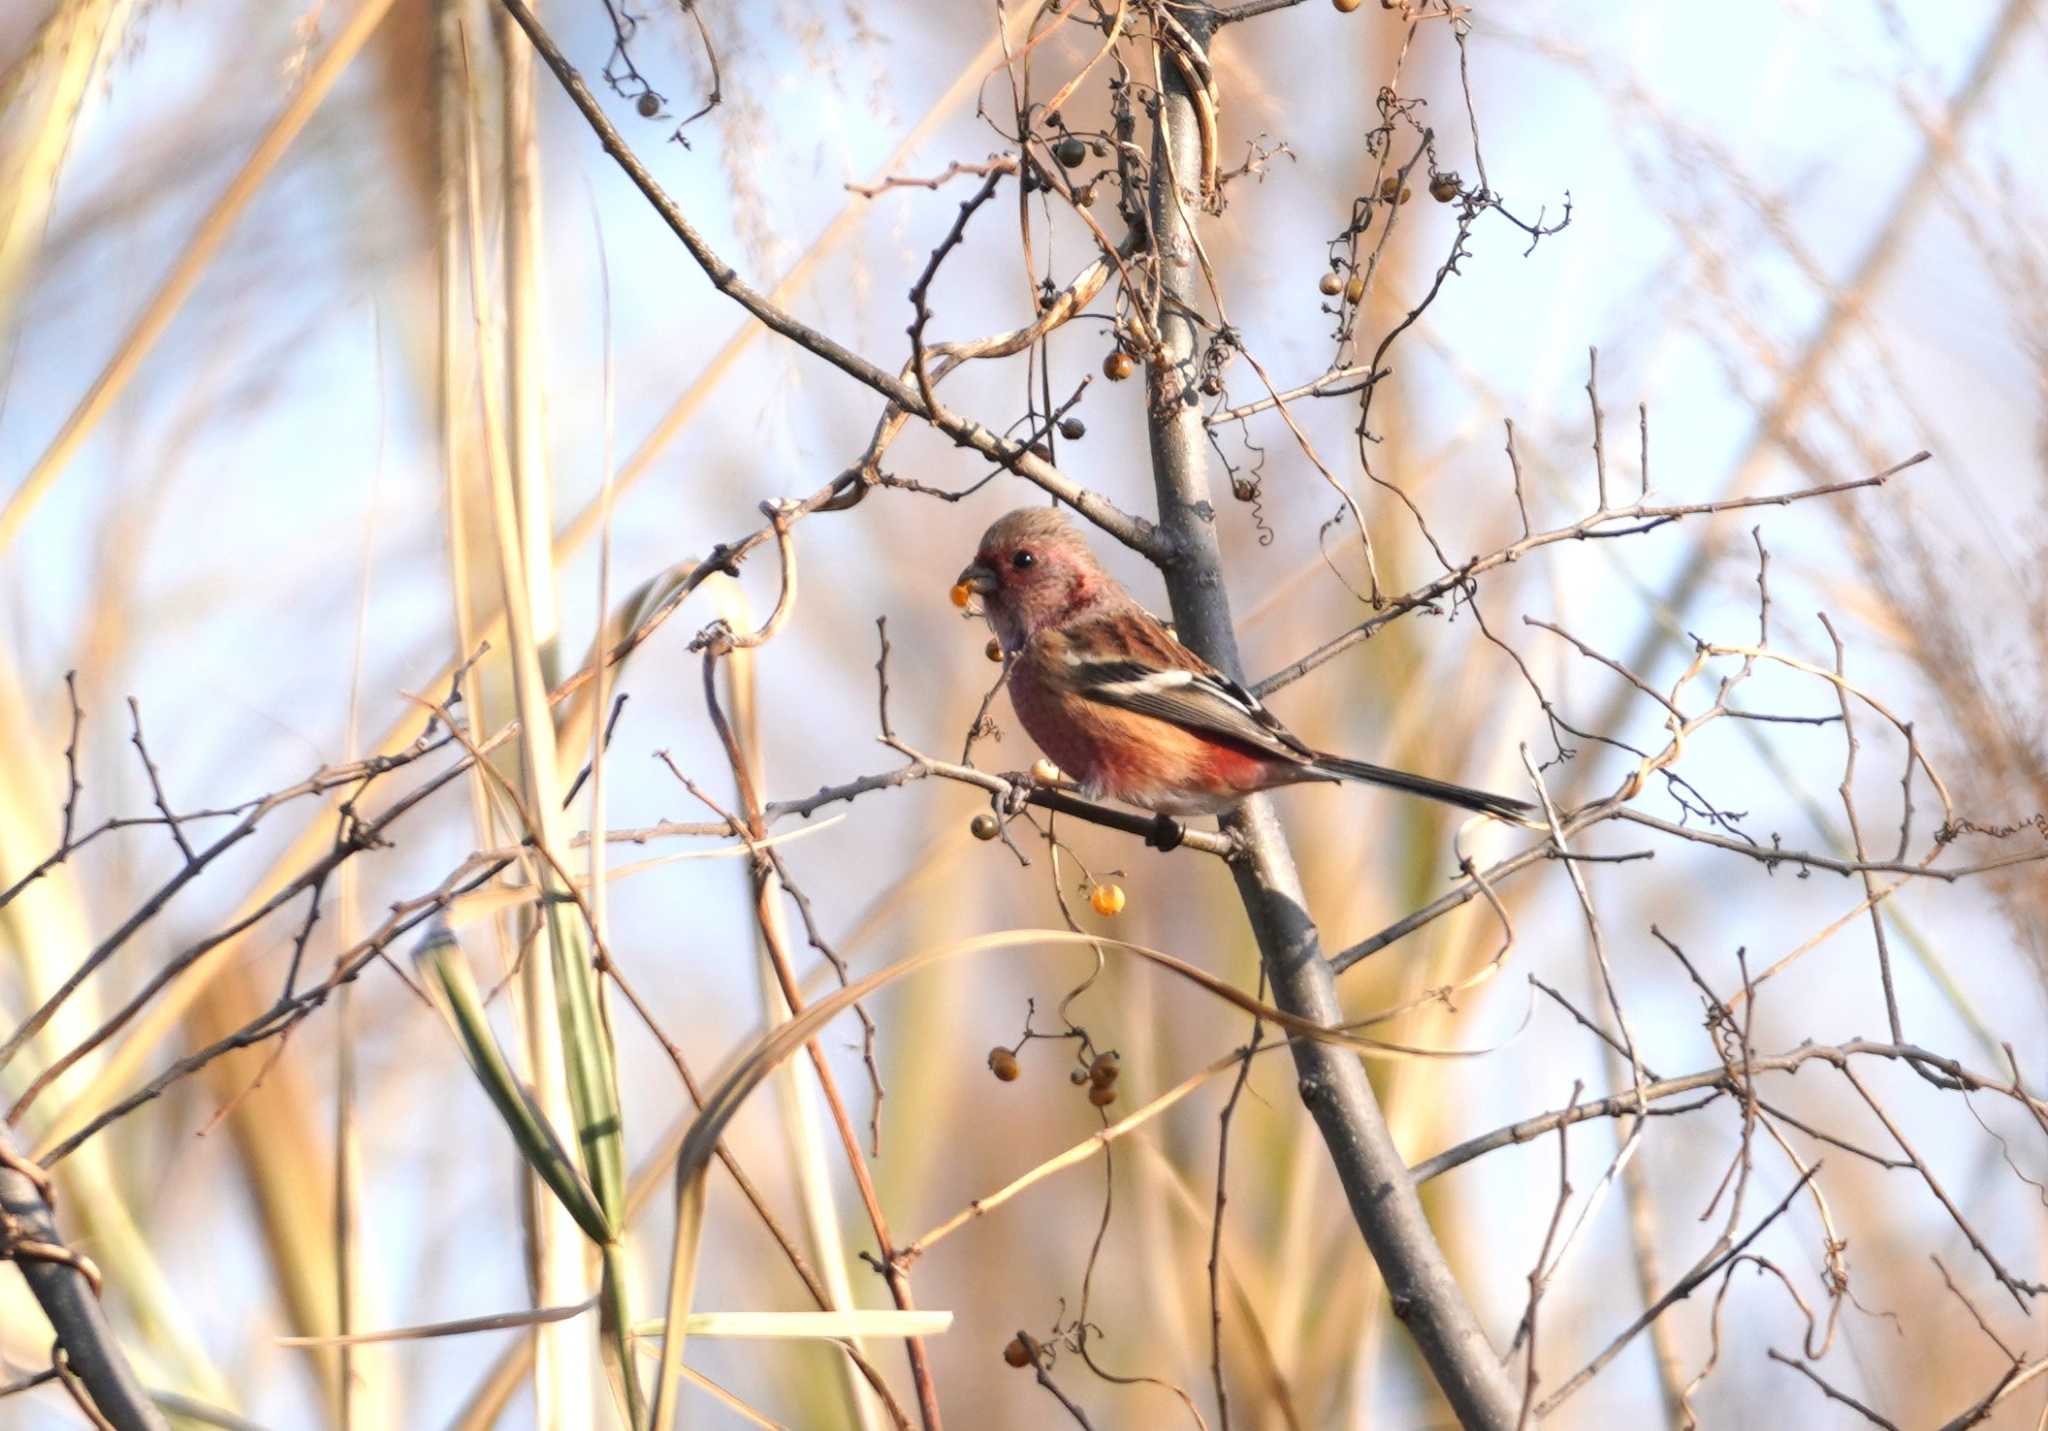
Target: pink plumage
(1127,711)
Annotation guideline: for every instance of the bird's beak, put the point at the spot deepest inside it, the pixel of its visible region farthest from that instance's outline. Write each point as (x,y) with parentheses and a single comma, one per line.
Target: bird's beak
(978,579)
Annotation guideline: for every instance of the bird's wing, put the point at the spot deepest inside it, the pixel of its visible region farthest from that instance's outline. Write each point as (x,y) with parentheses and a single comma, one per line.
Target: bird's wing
(1151,673)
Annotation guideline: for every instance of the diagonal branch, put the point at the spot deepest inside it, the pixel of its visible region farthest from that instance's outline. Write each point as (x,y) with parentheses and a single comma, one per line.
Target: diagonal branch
(1383,1199)
(63,1285)
(1718,1256)
(1134,532)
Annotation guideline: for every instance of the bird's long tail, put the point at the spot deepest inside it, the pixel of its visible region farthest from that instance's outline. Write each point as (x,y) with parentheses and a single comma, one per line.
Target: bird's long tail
(1463,796)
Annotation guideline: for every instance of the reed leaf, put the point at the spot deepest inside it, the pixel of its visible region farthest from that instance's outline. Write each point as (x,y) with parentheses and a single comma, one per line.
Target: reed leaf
(444,972)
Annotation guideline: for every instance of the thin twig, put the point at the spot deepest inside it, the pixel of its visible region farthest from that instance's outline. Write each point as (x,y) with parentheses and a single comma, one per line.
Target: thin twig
(1683,1288)
(1832,1393)
(1139,535)
(1424,596)
(1539,1275)
(893,1272)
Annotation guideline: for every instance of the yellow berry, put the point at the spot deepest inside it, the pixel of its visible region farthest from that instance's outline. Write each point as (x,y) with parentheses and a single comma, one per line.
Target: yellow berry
(1045,772)
(1003,1064)
(983,826)
(1107,900)
(1444,188)
(1102,1094)
(1354,291)
(960,594)
(1331,285)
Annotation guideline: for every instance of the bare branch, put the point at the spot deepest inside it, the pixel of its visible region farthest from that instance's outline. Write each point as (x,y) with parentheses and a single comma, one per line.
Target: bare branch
(1133,532)
(65,1286)
(1683,1288)
(1831,1392)
(1333,1084)
(1581,530)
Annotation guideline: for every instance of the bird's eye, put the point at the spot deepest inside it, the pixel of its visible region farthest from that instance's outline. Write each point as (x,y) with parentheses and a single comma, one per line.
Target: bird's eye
(1021,560)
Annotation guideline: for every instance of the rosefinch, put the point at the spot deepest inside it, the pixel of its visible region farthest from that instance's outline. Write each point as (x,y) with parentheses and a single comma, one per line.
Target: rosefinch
(1121,706)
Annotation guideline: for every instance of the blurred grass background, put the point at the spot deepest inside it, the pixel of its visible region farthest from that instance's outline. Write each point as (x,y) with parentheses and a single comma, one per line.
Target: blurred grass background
(1807,237)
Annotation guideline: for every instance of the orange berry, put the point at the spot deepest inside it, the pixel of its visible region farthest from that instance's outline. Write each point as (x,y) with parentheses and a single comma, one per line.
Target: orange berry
(1018,1352)
(1102,1094)
(960,594)
(1107,900)
(1118,365)
(994,649)
(1003,1064)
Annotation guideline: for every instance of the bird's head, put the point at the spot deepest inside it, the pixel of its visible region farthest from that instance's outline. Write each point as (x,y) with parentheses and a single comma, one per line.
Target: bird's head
(1032,570)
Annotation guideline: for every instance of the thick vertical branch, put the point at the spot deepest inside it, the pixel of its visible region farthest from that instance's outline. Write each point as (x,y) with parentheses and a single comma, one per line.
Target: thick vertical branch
(57,1278)
(1333,1083)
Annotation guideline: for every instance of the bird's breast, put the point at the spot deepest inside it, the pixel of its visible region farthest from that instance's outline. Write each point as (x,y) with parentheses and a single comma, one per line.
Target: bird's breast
(1058,721)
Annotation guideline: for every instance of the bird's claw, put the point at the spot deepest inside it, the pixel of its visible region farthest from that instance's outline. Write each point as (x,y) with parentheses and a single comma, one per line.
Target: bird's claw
(1016,793)
(1166,835)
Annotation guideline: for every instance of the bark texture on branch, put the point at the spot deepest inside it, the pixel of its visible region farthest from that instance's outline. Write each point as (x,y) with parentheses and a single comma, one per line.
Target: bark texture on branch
(28,1234)
(1376,1182)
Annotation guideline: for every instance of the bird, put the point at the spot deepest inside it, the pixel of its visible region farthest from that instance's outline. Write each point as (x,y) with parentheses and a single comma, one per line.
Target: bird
(1123,708)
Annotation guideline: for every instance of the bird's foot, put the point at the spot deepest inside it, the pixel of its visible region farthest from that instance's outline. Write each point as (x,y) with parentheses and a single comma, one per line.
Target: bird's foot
(1166,834)
(1018,787)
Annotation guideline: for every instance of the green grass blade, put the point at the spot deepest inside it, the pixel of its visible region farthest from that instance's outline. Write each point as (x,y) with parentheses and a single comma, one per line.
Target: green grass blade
(445,972)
